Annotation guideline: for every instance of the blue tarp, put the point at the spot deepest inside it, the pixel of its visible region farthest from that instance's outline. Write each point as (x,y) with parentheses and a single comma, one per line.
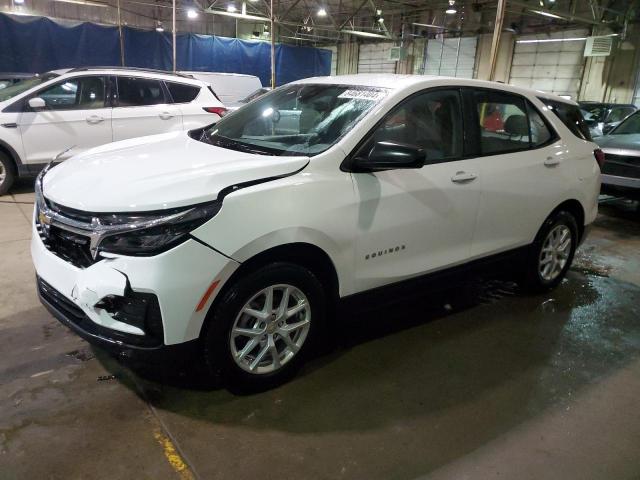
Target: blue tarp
(37,44)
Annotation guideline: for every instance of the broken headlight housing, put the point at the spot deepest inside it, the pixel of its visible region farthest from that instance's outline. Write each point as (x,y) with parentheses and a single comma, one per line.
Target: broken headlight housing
(150,234)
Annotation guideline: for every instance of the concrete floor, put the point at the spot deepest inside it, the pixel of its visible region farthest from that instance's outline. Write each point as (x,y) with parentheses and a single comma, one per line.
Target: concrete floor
(482,384)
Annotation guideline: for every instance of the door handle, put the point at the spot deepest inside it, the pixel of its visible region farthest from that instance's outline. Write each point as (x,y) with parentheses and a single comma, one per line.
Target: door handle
(93,119)
(165,115)
(551,162)
(463,177)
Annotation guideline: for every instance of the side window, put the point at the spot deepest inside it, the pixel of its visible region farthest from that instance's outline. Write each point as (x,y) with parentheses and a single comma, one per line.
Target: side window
(540,133)
(79,93)
(503,122)
(137,92)
(181,93)
(570,115)
(619,113)
(431,121)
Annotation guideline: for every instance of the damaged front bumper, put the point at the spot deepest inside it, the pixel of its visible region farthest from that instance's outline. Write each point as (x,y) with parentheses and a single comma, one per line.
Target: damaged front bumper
(133,305)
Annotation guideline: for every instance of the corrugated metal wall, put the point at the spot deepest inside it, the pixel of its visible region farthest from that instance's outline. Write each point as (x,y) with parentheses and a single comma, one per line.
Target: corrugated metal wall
(451,57)
(374,58)
(555,67)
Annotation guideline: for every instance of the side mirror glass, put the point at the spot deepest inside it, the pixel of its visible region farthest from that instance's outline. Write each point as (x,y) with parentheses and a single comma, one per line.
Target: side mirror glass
(390,156)
(37,103)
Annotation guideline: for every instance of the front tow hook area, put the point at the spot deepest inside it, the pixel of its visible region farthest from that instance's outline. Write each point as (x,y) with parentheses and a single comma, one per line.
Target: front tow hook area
(92,286)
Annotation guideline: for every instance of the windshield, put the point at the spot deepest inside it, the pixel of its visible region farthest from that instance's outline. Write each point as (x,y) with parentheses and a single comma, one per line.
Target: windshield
(596,112)
(294,120)
(630,125)
(24,85)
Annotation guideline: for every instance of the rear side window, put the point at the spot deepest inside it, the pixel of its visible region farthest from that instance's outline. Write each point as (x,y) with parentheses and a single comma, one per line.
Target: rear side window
(136,92)
(571,116)
(503,122)
(181,93)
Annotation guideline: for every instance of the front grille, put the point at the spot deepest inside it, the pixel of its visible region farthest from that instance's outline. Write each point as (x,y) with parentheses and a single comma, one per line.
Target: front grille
(151,317)
(621,166)
(71,247)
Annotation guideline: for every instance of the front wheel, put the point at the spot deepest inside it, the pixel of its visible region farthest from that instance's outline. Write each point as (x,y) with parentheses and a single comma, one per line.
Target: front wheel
(7,174)
(264,326)
(551,253)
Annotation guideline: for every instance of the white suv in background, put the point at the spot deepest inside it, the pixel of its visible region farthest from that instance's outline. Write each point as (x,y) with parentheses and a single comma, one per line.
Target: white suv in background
(58,115)
(242,248)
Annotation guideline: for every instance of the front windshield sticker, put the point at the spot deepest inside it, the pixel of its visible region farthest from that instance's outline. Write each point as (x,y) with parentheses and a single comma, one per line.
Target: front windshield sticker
(374,95)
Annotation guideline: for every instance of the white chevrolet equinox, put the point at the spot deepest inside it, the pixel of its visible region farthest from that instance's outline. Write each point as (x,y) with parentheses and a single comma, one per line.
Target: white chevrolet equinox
(239,240)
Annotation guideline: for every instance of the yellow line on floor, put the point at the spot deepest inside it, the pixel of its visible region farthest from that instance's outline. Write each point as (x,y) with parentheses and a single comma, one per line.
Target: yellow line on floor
(172,455)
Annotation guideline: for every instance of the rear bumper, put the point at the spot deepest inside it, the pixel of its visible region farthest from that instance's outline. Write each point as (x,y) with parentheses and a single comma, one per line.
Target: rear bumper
(620,186)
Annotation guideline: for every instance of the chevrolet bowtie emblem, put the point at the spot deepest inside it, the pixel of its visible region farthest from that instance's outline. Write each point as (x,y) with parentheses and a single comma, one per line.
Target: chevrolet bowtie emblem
(43,219)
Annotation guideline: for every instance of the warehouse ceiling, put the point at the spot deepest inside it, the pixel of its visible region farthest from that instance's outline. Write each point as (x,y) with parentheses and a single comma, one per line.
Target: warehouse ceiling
(333,21)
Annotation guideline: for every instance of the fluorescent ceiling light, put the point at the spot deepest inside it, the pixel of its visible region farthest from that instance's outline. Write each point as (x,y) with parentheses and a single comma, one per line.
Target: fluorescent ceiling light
(547,14)
(361,33)
(450,11)
(241,16)
(322,12)
(547,40)
(18,2)
(84,2)
(159,29)
(191,13)
(231,8)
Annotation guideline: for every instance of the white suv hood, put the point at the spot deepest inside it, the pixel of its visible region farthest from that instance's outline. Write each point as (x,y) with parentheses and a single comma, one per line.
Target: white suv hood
(156,172)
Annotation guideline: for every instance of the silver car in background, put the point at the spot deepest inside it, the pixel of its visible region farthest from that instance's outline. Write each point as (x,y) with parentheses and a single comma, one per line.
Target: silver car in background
(621,168)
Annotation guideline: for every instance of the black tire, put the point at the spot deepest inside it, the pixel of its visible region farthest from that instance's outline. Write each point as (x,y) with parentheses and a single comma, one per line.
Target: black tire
(217,348)
(6,167)
(533,280)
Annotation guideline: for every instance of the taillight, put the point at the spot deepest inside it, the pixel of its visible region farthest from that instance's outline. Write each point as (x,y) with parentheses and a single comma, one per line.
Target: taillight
(599,154)
(221,111)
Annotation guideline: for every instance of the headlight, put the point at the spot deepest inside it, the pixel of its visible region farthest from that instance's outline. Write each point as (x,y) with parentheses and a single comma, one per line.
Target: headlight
(161,232)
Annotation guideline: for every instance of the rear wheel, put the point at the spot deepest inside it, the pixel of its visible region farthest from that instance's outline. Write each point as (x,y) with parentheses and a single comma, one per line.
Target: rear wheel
(7,173)
(552,253)
(264,326)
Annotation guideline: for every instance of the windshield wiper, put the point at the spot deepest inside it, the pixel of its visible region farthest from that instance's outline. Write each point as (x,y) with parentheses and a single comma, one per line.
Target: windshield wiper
(236,145)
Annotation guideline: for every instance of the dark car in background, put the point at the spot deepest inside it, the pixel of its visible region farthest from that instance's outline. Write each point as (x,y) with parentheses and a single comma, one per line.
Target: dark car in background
(9,78)
(601,118)
(621,168)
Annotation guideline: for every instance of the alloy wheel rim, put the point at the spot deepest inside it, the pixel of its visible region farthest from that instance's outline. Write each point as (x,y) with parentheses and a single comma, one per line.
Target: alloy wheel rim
(270,329)
(555,253)
(3,173)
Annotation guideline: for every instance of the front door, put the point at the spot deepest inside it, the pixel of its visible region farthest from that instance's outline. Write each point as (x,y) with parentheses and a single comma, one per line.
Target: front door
(76,115)
(417,220)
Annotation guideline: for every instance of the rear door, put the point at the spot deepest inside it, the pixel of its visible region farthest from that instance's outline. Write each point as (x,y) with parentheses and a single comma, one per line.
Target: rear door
(142,106)
(524,169)
(76,115)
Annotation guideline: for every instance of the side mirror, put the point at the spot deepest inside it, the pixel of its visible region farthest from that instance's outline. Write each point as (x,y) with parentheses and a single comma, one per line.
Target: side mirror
(37,103)
(390,156)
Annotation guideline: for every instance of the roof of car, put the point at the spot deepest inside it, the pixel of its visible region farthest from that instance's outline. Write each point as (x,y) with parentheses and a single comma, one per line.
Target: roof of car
(397,82)
(138,72)
(589,103)
(197,72)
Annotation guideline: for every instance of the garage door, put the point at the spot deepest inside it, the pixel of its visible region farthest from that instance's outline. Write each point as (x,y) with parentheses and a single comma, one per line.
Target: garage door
(554,66)
(451,57)
(374,58)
